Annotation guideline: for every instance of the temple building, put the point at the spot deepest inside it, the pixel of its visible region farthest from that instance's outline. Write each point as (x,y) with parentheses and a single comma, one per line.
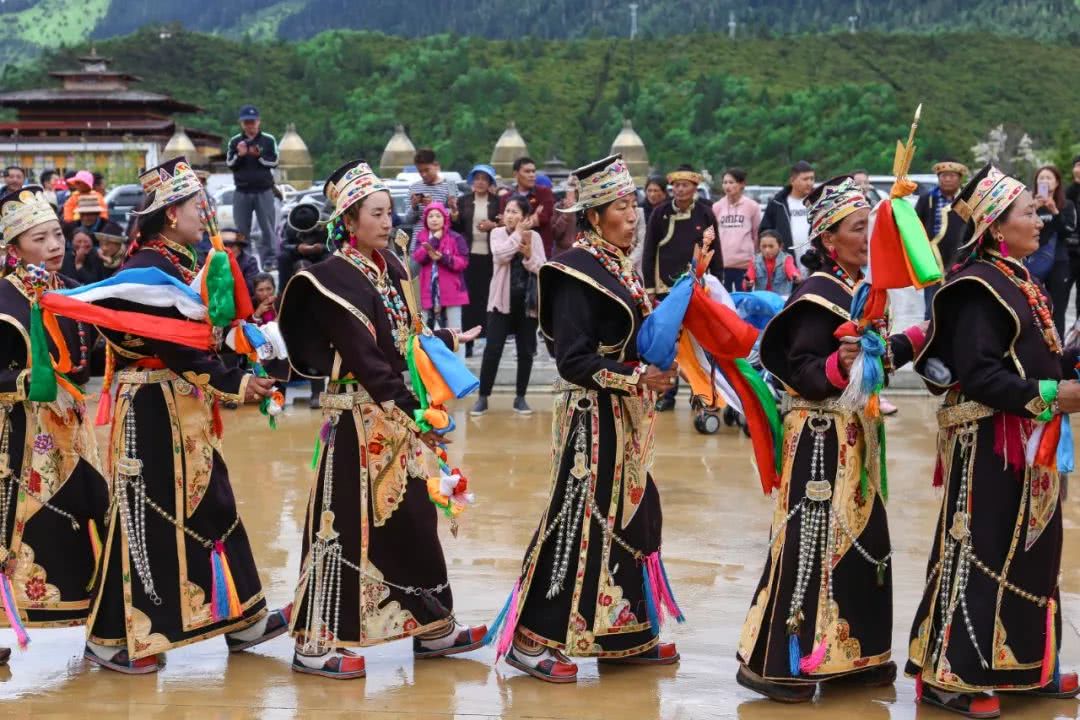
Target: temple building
(97,121)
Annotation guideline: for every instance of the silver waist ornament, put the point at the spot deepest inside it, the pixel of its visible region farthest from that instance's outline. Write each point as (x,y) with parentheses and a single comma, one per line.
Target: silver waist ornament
(567,523)
(129,479)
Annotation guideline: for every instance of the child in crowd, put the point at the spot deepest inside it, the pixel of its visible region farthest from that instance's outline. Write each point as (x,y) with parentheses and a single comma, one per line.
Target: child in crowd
(442,255)
(265,299)
(772,268)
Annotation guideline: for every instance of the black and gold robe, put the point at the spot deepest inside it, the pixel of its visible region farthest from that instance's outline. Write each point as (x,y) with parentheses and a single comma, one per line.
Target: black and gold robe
(372,463)
(165,397)
(51,485)
(856,626)
(582,586)
(1008,522)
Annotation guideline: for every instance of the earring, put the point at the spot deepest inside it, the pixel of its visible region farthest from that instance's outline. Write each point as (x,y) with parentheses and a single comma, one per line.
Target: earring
(172,222)
(1002,247)
(832,253)
(12,261)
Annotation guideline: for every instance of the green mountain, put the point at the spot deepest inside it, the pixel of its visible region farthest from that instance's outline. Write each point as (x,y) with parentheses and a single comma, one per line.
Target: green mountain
(27,26)
(840,101)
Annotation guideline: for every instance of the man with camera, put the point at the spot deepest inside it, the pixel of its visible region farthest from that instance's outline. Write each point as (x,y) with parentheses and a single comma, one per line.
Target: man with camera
(252,156)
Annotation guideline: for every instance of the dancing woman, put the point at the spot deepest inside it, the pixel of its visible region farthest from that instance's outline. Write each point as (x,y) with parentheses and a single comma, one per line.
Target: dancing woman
(373,568)
(177,567)
(584,589)
(823,607)
(53,497)
(990,617)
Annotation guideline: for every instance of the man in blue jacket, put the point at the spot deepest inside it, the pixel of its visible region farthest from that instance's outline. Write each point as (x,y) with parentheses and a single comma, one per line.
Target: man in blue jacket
(252,156)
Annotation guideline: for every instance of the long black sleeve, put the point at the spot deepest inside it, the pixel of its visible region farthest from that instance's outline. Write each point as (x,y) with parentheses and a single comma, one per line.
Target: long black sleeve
(577,342)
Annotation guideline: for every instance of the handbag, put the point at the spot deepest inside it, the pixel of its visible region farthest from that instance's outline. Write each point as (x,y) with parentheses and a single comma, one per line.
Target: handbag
(1040,262)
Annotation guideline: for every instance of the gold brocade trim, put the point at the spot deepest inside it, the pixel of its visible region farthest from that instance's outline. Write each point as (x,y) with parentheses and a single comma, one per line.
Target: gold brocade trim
(1036,406)
(659,286)
(611,380)
(5,318)
(14,398)
(934,323)
(145,377)
(573,652)
(963,413)
(591,282)
(346,400)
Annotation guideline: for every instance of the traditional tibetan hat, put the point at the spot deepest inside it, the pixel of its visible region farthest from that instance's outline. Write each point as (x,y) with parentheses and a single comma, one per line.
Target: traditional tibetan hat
(951,166)
(685,172)
(832,201)
(985,198)
(23,209)
(349,184)
(90,203)
(168,184)
(600,183)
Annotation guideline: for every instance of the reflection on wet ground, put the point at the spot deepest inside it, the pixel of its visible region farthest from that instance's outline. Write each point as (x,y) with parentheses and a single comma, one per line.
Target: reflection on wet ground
(716,527)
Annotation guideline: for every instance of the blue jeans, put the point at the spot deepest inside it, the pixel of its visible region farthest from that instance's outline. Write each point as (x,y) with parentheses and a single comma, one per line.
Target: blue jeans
(262,204)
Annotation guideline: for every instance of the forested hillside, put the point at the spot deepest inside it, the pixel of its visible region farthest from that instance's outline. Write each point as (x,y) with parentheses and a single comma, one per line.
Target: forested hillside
(27,26)
(841,101)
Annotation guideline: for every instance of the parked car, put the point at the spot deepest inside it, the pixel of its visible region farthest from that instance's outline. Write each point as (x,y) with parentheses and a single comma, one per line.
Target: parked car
(761,194)
(121,200)
(884,183)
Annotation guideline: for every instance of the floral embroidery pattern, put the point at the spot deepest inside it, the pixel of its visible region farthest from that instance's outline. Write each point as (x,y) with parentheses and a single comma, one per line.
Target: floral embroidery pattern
(43,443)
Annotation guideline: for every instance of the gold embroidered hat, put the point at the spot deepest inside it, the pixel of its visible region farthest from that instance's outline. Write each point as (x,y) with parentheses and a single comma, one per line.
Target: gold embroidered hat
(985,198)
(685,172)
(168,184)
(22,210)
(600,183)
(833,201)
(951,166)
(349,184)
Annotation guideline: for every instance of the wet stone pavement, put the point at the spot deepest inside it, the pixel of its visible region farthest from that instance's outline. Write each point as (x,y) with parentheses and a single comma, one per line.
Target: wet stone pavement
(715,533)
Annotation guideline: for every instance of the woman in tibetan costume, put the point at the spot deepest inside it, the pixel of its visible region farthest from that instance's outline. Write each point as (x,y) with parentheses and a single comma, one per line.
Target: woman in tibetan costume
(53,497)
(585,588)
(990,617)
(178,567)
(823,608)
(373,568)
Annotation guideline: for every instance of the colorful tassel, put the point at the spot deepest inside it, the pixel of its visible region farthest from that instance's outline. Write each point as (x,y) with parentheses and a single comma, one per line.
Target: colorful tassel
(7,595)
(1065,460)
(662,587)
(1050,648)
(813,661)
(224,601)
(95,547)
(505,624)
(651,602)
(794,655)
(918,686)
(939,473)
(105,402)
(216,425)
(321,439)
(864,482)
(218,281)
(42,378)
(884,489)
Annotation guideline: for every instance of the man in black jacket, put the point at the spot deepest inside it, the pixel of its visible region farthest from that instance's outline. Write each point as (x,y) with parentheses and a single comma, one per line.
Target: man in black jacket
(252,156)
(944,229)
(787,213)
(675,228)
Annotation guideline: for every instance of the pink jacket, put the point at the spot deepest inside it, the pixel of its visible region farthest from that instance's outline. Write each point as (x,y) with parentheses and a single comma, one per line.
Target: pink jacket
(452,264)
(737,226)
(503,249)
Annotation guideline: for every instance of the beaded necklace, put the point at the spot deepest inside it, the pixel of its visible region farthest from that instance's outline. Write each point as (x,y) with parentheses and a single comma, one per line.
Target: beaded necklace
(1036,299)
(393,303)
(618,264)
(28,285)
(172,251)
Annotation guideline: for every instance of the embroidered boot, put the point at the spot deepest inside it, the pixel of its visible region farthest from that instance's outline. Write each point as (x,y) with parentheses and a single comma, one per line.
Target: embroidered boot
(455,639)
